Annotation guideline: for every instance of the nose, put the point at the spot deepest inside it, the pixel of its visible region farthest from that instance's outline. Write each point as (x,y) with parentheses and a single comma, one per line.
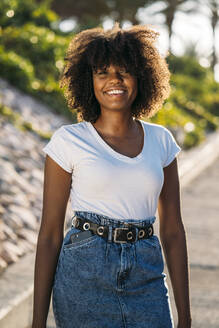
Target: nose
(115,76)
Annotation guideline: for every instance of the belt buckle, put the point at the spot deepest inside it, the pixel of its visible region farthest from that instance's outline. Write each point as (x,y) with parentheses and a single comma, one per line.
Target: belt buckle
(116,233)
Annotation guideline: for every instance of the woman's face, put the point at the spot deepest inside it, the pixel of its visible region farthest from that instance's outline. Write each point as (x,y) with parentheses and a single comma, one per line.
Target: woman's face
(114,88)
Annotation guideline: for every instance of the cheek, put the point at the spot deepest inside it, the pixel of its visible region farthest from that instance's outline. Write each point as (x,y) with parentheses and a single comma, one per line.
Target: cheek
(133,82)
(96,87)
(134,88)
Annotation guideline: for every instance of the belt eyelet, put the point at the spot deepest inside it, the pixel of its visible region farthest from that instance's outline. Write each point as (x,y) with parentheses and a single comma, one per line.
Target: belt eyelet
(129,235)
(150,231)
(100,230)
(86,226)
(141,233)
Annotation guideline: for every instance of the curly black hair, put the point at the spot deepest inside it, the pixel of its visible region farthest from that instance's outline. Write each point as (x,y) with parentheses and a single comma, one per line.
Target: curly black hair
(133,49)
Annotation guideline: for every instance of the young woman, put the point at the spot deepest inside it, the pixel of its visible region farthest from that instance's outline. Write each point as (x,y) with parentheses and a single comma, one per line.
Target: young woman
(117,169)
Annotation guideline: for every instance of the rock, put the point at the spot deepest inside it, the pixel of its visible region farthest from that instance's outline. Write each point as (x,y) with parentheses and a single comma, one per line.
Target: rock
(25,245)
(8,254)
(10,247)
(15,190)
(24,163)
(9,233)
(29,235)
(21,174)
(37,156)
(18,198)
(6,200)
(4,153)
(25,215)
(31,110)
(37,174)
(21,199)
(13,220)
(2,210)
(2,235)
(3,265)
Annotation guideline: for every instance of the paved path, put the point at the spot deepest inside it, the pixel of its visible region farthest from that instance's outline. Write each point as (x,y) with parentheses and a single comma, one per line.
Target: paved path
(200,209)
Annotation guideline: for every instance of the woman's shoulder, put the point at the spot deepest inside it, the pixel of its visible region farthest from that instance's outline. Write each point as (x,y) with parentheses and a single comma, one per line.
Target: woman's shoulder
(155,129)
(71,131)
(75,128)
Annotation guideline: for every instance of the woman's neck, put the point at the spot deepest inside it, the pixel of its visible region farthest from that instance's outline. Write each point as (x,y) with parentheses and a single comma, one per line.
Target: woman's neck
(116,125)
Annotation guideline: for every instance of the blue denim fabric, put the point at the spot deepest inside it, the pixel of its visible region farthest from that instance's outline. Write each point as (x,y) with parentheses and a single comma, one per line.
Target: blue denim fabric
(102,284)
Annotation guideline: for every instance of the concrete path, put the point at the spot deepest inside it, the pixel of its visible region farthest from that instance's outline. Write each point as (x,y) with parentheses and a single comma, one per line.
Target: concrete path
(200,209)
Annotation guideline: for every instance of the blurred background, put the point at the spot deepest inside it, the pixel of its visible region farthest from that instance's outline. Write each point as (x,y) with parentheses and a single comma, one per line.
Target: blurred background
(34,36)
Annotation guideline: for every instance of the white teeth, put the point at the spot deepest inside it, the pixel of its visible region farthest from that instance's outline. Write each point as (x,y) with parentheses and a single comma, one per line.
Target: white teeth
(112,92)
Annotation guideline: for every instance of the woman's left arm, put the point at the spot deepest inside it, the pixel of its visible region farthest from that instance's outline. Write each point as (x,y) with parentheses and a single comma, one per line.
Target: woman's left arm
(173,239)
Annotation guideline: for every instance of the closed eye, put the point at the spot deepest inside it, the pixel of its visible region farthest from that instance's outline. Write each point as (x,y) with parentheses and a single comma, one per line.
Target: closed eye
(102,72)
(124,71)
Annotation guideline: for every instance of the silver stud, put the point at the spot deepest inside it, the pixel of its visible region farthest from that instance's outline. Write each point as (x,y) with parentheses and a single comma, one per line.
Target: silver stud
(100,230)
(129,235)
(150,231)
(86,226)
(141,233)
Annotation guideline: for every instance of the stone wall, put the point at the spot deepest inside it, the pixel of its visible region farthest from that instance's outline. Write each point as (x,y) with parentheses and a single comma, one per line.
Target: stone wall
(21,173)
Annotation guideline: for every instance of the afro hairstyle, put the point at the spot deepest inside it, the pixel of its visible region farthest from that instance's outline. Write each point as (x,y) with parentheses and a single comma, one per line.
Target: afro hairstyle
(133,49)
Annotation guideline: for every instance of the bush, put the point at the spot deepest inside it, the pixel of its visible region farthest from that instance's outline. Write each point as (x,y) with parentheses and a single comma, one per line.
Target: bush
(187,66)
(43,48)
(35,57)
(16,69)
(187,130)
(19,12)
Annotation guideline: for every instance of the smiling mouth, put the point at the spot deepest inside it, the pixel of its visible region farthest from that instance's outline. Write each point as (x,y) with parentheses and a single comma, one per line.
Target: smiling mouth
(115,92)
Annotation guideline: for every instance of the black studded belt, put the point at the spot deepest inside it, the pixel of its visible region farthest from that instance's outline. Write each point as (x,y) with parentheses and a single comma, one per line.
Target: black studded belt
(128,234)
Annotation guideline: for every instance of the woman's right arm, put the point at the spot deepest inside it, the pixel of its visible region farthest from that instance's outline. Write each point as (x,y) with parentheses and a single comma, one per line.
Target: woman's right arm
(57,183)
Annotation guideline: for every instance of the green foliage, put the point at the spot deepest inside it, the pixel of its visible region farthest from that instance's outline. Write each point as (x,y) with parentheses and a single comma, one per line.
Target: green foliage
(91,13)
(20,72)
(193,106)
(43,48)
(19,12)
(32,57)
(87,13)
(193,138)
(188,66)
(187,130)
(16,69)
(195,110)
(44,16)
(35,53)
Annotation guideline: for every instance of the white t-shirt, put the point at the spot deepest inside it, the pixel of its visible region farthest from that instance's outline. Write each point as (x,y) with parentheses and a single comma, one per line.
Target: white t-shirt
(107,182)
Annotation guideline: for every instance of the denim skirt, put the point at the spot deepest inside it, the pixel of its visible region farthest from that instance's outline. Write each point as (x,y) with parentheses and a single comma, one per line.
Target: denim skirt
(102,284)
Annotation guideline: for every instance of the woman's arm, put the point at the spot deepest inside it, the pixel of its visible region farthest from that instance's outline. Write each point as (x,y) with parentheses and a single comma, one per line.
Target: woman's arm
(173,240)
(57,184)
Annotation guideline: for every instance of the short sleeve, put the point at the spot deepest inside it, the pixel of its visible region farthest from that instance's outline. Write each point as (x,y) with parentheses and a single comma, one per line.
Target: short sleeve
(171,148)
(59,150)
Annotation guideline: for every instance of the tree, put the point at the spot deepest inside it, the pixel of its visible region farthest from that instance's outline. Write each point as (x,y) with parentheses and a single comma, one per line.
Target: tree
(170,10)
(125,10)
(92,13)
(214,7)
(87,13)
(19,12)
(213,10)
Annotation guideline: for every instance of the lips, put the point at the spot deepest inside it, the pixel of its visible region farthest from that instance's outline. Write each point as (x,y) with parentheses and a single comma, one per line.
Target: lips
(115,92)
